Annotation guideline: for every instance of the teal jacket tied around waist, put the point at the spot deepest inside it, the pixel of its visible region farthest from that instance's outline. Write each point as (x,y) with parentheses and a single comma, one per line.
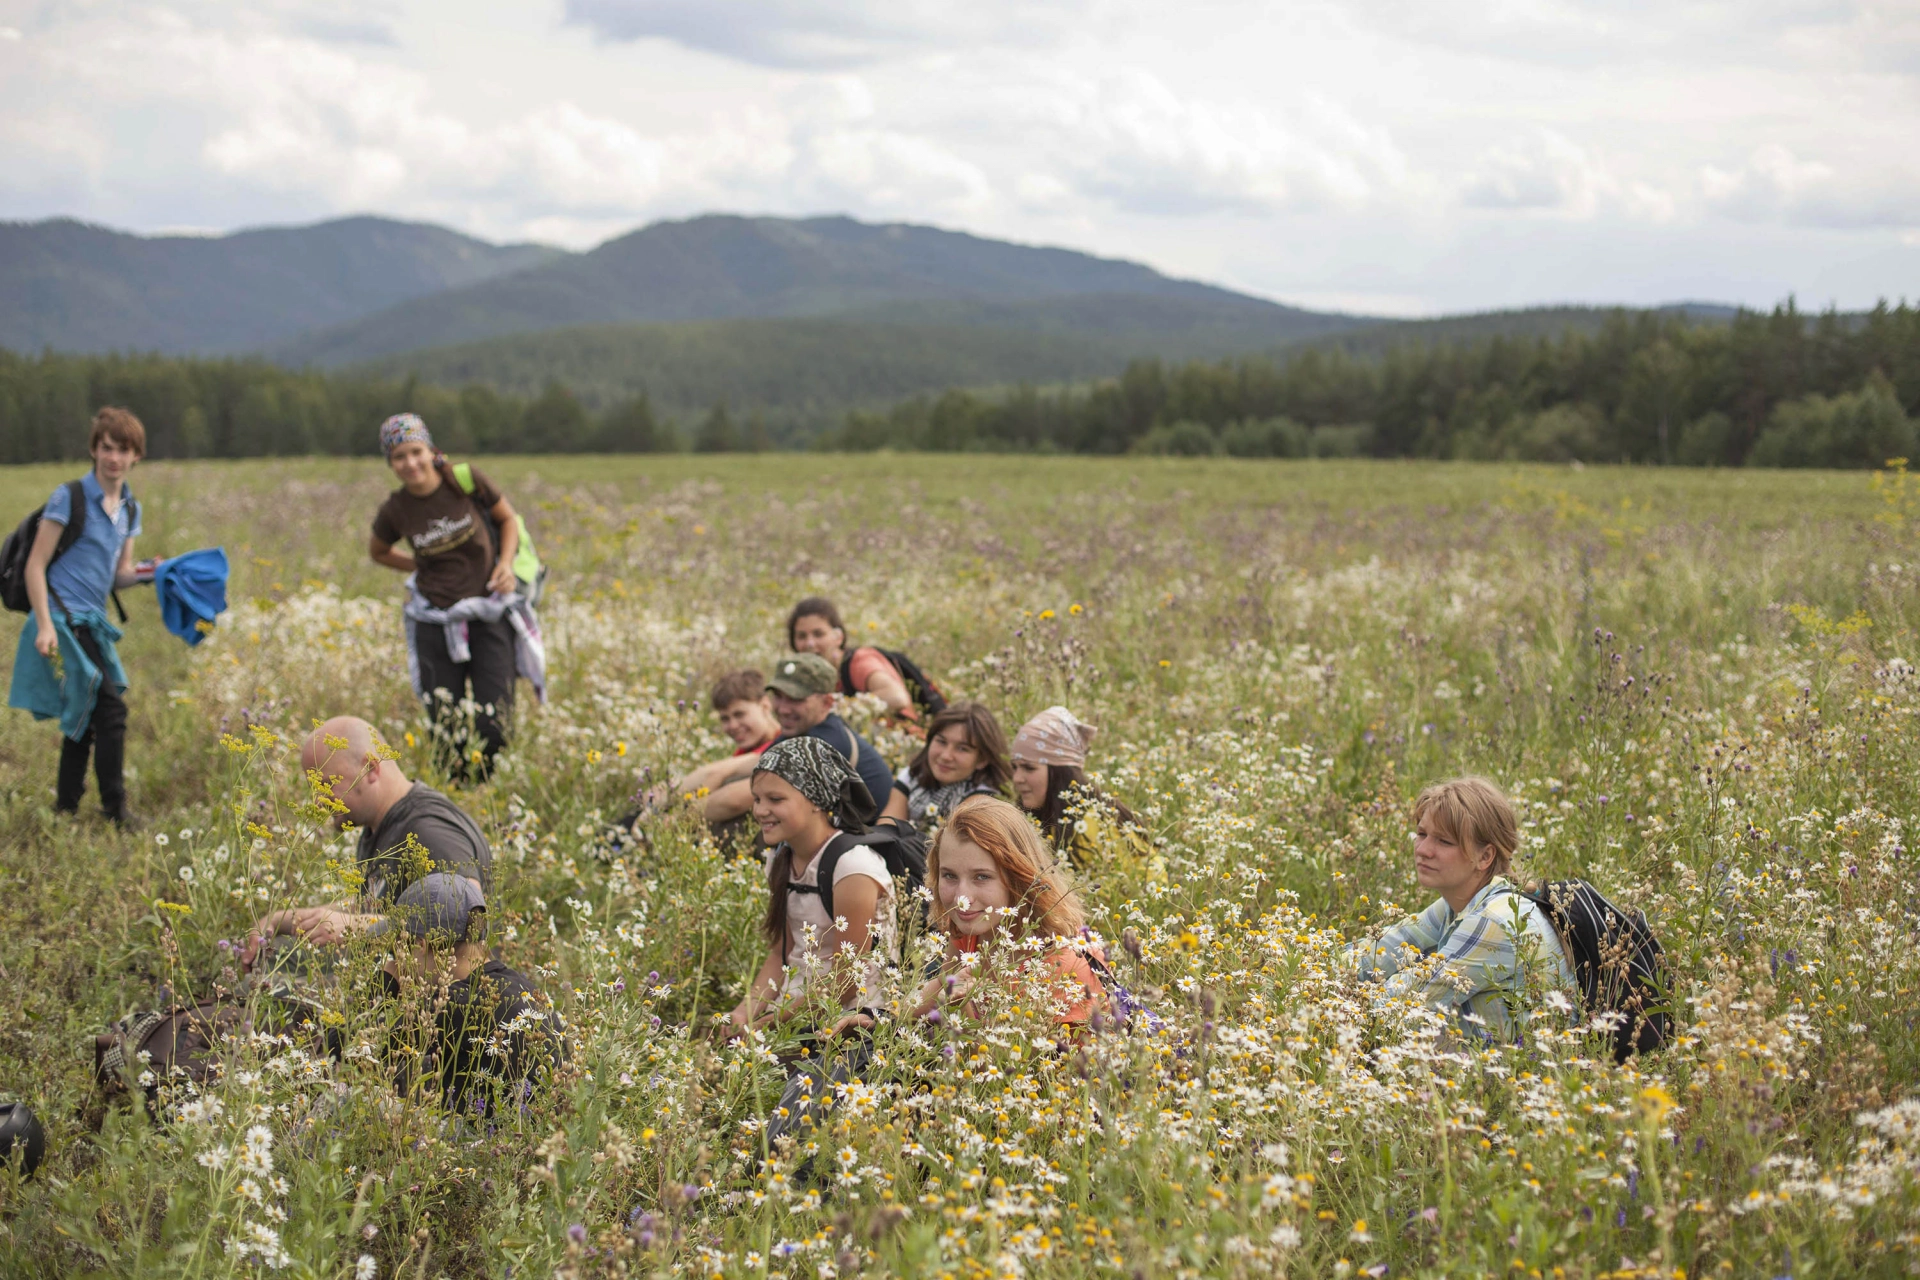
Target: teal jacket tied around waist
(70,700)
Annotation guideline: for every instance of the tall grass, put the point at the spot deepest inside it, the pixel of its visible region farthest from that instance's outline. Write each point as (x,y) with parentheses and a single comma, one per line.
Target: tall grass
(1697,686)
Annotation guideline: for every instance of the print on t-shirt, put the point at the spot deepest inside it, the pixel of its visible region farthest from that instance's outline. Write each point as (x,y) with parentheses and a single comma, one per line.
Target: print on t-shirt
(453,553)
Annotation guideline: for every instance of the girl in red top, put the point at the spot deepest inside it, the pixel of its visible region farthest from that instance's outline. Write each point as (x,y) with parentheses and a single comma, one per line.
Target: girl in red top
(1009,915)
(814,626)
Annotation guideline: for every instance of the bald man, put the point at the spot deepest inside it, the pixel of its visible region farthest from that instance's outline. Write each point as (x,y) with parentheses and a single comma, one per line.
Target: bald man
(394,815)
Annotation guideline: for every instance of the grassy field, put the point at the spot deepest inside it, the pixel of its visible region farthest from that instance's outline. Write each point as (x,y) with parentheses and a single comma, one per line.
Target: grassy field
(1695,683)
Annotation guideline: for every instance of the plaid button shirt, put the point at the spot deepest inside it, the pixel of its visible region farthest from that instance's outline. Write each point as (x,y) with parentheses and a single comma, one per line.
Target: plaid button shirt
(1474,963)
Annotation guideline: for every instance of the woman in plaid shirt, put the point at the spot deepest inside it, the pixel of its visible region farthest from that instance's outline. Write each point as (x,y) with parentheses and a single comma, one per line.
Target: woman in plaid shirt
(1481,947)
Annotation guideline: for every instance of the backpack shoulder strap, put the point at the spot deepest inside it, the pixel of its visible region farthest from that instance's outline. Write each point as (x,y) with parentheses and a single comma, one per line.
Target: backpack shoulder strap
(76,518)
(846,669)
(463,476)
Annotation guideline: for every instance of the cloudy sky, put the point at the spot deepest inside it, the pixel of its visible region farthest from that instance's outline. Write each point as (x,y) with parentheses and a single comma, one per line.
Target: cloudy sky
(1396,156)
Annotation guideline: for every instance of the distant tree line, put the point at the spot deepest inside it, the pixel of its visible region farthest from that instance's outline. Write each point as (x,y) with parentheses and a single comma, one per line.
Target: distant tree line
(251,408)
(1778,389)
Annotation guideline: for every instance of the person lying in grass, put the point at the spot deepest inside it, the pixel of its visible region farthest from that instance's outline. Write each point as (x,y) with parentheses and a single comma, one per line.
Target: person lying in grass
(1482,948)
(965,755)
(1095,833)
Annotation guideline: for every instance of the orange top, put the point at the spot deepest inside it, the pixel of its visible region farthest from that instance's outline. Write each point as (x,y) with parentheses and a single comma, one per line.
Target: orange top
(866,661)
(1072,977)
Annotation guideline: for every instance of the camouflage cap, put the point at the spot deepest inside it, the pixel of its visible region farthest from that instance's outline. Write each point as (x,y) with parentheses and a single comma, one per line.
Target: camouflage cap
(803,675)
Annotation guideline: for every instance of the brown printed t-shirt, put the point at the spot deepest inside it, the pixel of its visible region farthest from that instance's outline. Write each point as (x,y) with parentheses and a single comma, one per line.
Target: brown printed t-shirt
(452,545)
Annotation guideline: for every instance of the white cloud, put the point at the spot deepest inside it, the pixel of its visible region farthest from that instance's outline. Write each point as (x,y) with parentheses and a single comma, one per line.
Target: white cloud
(830,33)
(1129,139)
(1410,153)
(1777,185)
(1547,172)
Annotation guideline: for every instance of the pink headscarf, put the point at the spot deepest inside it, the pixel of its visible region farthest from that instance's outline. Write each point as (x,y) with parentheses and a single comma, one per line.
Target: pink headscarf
(1053,737)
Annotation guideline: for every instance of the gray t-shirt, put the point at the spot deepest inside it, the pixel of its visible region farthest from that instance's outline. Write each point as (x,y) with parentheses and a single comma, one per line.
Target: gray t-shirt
(451,839)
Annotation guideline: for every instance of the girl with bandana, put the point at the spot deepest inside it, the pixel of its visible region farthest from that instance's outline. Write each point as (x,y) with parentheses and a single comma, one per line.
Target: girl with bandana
(1096,834)
(965,755)
(806,796)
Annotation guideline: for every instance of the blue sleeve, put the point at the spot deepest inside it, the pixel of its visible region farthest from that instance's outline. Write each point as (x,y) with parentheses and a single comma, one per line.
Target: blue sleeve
(59,508)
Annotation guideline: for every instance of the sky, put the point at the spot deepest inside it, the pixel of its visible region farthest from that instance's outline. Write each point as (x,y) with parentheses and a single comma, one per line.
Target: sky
(1403,157)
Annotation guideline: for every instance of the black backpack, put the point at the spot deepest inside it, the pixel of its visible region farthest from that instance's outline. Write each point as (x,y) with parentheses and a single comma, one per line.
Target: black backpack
(1617,960)
(903,850)
(19,545)
(920,686)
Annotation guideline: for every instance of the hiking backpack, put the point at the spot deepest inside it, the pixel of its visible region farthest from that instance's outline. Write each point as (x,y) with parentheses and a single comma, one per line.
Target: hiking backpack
(19,545)
(182,1042)
(904,852)
(920,686)
(1616,959)
(186,1042)
(527,569)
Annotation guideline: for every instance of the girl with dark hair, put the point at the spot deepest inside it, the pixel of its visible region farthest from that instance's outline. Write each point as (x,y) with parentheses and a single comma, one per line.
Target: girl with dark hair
(814,626)
(1097,834)
(965,755)
(805,797)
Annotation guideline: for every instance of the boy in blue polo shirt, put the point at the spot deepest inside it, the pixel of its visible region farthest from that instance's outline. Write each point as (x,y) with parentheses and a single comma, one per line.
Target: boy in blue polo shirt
(69,597)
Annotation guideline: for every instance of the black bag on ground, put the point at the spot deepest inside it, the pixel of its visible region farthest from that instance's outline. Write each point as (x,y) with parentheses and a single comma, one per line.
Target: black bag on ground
(182,1041)
(19,545)
(1616,959)
(920,686)
(186,1042)
(904,852)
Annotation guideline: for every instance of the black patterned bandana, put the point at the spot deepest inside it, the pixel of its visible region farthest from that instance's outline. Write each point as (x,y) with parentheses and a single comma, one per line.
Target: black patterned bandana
(822,775)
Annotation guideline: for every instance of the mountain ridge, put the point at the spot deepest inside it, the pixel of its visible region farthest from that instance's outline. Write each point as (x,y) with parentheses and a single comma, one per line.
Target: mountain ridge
(731,266)
(76,286)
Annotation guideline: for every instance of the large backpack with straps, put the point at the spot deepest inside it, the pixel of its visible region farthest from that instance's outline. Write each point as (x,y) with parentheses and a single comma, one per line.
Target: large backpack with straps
(187,1042)
(920,686)
(1617,960)
(527,568)
(903,850)
(19,545)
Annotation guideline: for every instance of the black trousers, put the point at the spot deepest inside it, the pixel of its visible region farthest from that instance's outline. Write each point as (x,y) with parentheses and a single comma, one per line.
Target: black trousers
(105,739)
(486,676)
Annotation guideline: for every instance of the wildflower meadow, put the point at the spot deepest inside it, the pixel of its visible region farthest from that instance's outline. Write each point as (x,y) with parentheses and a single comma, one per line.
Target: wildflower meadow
(1698,686)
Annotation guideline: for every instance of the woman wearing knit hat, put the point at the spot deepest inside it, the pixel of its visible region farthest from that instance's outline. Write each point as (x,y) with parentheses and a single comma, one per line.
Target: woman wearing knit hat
(470,627)
(1097,834)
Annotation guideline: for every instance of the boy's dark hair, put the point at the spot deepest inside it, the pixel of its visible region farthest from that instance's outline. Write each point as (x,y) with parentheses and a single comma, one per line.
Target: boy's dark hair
(814,607)
(745,685)
(120,426)
(983,731)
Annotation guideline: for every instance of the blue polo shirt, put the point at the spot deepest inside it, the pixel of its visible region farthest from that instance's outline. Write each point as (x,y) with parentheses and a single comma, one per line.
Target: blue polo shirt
(83,576)
(873,771)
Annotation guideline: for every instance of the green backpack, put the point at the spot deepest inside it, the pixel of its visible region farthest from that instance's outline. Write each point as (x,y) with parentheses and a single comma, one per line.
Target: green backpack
(527,569)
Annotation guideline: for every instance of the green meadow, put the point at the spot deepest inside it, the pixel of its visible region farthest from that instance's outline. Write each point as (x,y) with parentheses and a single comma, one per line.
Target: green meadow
(1696,685)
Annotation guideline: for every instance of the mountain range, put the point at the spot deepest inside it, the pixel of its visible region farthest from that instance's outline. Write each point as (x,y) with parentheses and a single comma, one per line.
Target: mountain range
(799,319)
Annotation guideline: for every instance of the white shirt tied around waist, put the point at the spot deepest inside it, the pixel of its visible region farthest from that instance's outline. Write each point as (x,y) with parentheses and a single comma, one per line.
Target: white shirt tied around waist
(808,925)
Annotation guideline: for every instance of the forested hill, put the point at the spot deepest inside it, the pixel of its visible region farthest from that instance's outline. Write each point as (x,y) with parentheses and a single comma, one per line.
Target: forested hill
(724,267)
(70,286)
(1780,389)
